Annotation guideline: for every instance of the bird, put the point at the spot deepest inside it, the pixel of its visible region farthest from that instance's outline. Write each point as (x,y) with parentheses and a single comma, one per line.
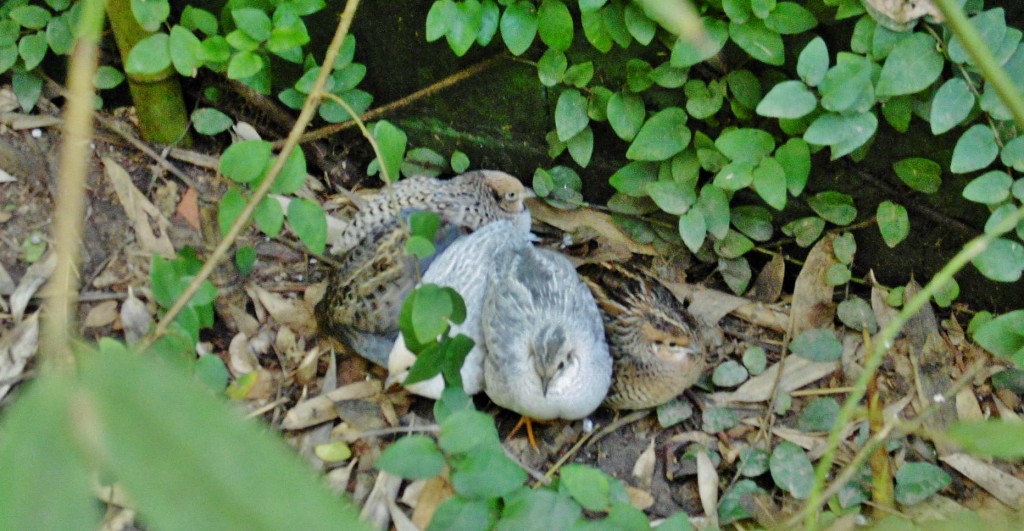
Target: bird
(365,291)
(469,200)
(466,266)
(545,354)
(654,341)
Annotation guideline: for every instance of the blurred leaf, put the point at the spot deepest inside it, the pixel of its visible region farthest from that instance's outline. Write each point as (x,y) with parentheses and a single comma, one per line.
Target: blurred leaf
(989,438)
(554,23)
(686,53)
(791,470)
(412,457)
(588,486)
(245,161)
(817,344)
(856,313)
(309,223)
(391,141)
(209,121)
(819,414)
(917,481)
(758,41)
(1002,261)
(519,26)
(458,513)
(729,374)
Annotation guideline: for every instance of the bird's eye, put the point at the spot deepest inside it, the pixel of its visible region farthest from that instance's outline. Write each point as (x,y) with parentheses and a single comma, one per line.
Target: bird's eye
(511,196)
(673,344)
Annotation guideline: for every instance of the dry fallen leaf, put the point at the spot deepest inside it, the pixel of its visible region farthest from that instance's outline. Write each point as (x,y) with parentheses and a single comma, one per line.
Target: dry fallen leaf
(17,347)
(6,282)
(188,208)
(768,285)
(241,359)
(572,221)
(798,372)
(321,408)
(35,276)
(376,510)
(812,296)
(643,468)
(707,486)
(1006,487)
(294,313)
(101,314)
(140,211)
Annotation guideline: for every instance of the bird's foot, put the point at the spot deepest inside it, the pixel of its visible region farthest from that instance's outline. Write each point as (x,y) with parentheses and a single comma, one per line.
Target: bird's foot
(528,422)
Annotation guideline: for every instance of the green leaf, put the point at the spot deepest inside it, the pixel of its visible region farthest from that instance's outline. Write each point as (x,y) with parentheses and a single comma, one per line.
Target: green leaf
(107,77)
(789,99)
(990,438)
(292,175)
(638,75)
(209,121)
(921,174)
(792,470)
(758,41)
(254,22)
(750,145)
(812,64)
(844,133)
(737,10)
(244,64)
(692,229)
(231,205)
(32,49)
(893,222)
(59,35)
(595,30)
(897,112)
(805,230)
(150,13)
(412,457)
(790,18)
(462,514)
(197,19)
(439,18)
(519,26)
(459,161)
(819,414)
(554,23)
(736,274)
(211,371)
(1002,261)
(717,419)
(551,67)
(423,161)
(588,486)
(686,53)
(837,275)
(917,481)
(847,86)
(991,26)
(488,22)
(715,206)
(570,114)
(703,100)
(205,439)
(729,374)
(626,114)
(990,188)
(913,65)
(951,105)
(795,158)
(245,258)
(671,196)
(186,51)
(30,17)
(615,23)
(753,221)
(466,430)
(733,245)
(391,142)
(269,216)
(735,176)
(150,56)
(640,27)
(245,161)
(522,510)
(308,221)
(464,26)
(745,87)
(1003,336)
(45,460)
(817,344)
(731,507)
(835,207)
(661,136)
(856,313)
(579,76)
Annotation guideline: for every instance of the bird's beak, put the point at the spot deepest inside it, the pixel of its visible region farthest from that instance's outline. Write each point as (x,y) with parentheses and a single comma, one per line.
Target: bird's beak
(544,381)
(393,379)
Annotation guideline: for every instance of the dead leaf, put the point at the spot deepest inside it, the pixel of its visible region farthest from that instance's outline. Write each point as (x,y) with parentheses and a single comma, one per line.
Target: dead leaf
(245,131)
(241,358)
(294,313)
(101,314)
(798,372)
(932,364)
(140,211)
(6,282)
(375,510)
(967,406)
(305,373)
(6,177)
(135,318)
(1006,487)
(435,491)
(399,519)
(573,220)
(639,498)
(762,508)
(17,347)
(768,285)
(321,408)
(812,296)
(35,276)
(338,478)
(643,468)
(883,312)
(188,208)
(710,304)
(707,486)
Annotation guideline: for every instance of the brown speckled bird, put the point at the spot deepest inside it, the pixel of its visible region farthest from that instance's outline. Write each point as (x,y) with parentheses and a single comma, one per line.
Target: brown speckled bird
(655,343)
(365,292)
(469,200)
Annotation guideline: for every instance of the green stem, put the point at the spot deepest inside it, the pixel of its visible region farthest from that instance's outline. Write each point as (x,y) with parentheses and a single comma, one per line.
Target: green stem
(880,346)
(983,58)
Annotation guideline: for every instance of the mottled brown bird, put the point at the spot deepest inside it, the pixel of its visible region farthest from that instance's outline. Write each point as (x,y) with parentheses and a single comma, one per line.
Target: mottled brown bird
(469,200)
(365,292)
(655,343)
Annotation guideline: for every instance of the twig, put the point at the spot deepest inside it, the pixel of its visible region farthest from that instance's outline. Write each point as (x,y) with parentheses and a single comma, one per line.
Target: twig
(568,455)
(305,116)
(457,77)
(70,202)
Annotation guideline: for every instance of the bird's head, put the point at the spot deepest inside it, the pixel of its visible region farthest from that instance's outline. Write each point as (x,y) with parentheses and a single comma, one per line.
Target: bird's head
(670,341)
(510,196)
(553,354)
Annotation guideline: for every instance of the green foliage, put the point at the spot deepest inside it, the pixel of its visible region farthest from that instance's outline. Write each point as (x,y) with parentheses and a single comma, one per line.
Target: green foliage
(817,344)
(201,444)
(916,481)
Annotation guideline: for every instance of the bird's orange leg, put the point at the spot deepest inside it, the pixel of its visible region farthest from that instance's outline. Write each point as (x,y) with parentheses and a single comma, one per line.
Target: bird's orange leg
(528,422)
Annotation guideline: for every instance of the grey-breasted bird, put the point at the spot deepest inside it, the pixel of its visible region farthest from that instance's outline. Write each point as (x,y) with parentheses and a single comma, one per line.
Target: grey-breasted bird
(654,341)
(365,293)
